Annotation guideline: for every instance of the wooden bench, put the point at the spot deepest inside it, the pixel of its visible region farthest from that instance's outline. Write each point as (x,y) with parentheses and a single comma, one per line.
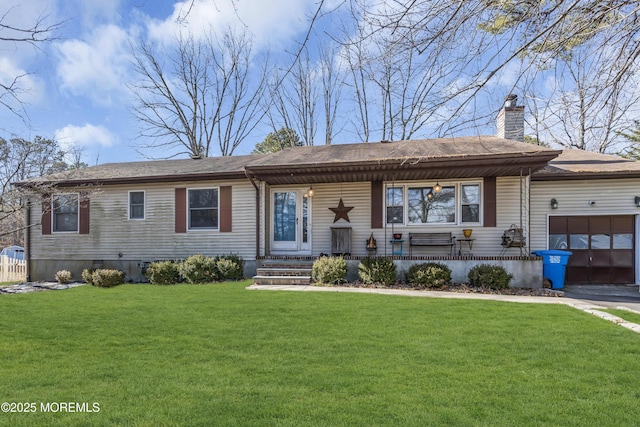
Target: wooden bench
(431,239)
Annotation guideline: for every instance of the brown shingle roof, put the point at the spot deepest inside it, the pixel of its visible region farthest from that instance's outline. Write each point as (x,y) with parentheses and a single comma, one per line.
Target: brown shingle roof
(423,149)
(442,158)
(580,164)
(419,159)
(154,171)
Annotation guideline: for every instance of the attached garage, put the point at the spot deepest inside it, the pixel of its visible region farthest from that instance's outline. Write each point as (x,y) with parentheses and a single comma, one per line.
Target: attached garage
(602,246)
(589,204)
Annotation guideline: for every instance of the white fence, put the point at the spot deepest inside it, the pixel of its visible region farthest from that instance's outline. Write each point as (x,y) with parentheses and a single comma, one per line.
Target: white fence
(12,270)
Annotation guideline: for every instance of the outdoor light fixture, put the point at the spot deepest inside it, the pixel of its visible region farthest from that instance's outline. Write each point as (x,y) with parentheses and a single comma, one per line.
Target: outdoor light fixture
(437,188)
(554,204)
(310,192)
(636,200)
(430,195)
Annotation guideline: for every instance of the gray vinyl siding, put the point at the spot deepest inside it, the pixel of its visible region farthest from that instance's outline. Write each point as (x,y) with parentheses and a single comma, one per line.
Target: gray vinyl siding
(154,238)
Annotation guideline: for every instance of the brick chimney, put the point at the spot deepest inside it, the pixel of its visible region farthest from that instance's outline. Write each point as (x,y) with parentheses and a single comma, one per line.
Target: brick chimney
(511,119)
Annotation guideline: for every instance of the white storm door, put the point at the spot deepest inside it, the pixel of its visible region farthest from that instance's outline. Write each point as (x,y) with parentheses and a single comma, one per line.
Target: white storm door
(291,220)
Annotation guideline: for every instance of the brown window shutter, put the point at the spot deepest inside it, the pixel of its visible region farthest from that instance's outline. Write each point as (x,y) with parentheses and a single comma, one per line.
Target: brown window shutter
(377,204)
(225,209)
(83,227)
(46,214)
(181,210)
(490,201)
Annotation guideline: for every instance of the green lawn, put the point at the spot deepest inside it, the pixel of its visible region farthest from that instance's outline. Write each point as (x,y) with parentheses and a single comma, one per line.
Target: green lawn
(629,316)
(222,355)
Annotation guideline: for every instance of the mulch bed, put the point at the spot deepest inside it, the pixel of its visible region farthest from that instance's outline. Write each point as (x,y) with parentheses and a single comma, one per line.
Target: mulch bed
(464,288)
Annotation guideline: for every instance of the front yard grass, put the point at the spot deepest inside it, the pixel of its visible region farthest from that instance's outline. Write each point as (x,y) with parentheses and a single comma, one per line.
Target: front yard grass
(221,355)
(627,315)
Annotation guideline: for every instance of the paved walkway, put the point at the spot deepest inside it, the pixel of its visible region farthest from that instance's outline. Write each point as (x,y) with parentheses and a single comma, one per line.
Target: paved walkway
(23,288)
(590,300)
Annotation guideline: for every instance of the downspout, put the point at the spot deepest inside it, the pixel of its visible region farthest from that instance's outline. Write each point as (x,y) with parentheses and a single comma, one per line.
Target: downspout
(27,238)
(257,211)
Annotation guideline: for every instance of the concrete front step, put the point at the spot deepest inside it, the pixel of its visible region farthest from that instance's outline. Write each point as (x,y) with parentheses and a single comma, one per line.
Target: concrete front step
(283,271)
(281,280)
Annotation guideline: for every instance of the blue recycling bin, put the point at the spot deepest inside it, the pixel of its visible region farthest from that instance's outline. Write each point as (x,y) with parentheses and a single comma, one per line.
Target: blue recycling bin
(554,264)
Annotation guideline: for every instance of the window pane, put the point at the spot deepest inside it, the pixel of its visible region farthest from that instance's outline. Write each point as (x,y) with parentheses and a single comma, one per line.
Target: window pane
(470,213)
(600,241)
(623,241)
(558,241)
(394,215)
(470,202)
(394,196)
(470,194)
(203,218)
(203,208)
(395,205)
(136,205)
(65,212)
(441,208)
(136,212)
(137,197)
(203,198)
(579,241)
(284,209)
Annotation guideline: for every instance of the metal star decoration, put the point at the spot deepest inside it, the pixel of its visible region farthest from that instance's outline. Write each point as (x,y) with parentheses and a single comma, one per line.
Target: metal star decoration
(342,211)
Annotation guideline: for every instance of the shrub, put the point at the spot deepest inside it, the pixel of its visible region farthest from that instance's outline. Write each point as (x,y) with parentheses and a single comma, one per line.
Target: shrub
(490,276)
(104,278)
(376,270)
(163,273)
(199,269)
(230,267)
(429,275)
(87,275)
(329,270)
(63,276)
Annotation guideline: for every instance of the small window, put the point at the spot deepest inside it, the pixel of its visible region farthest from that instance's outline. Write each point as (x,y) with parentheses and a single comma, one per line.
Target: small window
(470,203)
(623,241)
(203,209)
(64,209)
(136,204)
(395,205)
(578,241)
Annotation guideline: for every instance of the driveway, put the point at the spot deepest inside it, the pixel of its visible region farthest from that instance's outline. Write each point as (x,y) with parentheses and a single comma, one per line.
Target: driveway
(610,296)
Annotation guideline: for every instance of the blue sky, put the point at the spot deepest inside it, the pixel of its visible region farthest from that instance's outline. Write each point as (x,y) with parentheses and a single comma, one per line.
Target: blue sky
(76,86)
(76,90)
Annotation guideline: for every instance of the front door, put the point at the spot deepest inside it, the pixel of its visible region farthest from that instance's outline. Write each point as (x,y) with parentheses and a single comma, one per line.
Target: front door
(291,220)
(602,247)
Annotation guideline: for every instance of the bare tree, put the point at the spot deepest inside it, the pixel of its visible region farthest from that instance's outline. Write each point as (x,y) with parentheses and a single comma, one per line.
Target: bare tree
(474,47)
(587,108)
(294,99)
(332,84)
(209,93)
(41,31)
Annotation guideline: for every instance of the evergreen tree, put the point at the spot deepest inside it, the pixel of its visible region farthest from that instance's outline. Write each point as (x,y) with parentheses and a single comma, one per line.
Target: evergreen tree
(279,140)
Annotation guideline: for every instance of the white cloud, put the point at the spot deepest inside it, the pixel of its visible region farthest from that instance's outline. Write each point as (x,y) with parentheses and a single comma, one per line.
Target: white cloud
(271,22)
(96,67)
(85,136)
(97,12)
